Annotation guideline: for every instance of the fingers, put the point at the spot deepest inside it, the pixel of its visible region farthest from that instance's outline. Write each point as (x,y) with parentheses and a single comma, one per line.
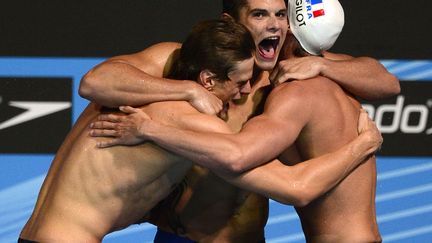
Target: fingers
(209,105)
(109,143)
(103,133)
(367,126)
(217,109)
(109,121)
(362,121)
(205,102)
(212,106)
(284,71)
(103,129)
(102,125)
(279,75)
(223,114)
(128,109)
(210,110)
(283,77)
(296,68)
(274,74)
(110,118)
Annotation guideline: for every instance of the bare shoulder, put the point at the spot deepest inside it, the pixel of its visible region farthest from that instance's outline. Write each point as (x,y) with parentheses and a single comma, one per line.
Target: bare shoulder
(153,59)
(286,101)
(298,96)
(292,91)
(154,52)
(159,51)
(182,115)
(336,56)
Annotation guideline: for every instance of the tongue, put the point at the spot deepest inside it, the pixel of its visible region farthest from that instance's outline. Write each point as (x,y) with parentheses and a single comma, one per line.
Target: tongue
(267,52)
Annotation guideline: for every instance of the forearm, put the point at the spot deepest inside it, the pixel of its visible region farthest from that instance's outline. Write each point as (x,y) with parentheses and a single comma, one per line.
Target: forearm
(363,76)
(221,153)
(116,83)
(298,185)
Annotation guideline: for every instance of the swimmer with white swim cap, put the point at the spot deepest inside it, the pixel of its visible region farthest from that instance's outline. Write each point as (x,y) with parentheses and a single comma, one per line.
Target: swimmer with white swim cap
(316,24)
(212,210)
(302,120)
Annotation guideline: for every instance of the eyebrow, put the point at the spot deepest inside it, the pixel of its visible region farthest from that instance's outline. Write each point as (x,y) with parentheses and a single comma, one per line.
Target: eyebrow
(243,82)
(265,10)
(258,10)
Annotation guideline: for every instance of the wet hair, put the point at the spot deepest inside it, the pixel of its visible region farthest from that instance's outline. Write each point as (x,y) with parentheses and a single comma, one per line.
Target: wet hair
(292,47)
(298,50)
(233,7)
(215,45)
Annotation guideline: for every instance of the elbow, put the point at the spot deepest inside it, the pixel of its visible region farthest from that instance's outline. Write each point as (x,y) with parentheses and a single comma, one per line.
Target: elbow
(299,195)
(394,87)
(389,87)
(88,85)
(234,163)
(302,200)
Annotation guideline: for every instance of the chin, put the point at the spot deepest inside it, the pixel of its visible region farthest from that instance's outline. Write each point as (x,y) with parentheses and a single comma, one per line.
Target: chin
(266,65)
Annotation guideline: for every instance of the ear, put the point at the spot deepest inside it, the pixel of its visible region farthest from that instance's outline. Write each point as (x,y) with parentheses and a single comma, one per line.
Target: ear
(289,28)
(226,16)
(206,79)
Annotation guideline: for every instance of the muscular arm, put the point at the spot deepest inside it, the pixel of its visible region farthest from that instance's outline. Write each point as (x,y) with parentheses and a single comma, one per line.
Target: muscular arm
(300,184)
(296,185)
(363,76)
(261,140)
(137,79)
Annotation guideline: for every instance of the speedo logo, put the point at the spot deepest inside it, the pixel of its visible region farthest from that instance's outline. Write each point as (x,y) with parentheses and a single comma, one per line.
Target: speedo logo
(411,119)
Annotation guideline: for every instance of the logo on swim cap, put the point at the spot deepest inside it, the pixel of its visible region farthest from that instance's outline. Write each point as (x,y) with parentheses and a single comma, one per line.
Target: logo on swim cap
(315,8)
(315,23)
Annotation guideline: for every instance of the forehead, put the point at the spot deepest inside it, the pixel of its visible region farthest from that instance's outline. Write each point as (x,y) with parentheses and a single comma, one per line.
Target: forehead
(243,70)
(266,4)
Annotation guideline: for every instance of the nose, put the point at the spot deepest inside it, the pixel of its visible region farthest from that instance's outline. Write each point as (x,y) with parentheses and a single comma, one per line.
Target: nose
(246,88)
(237,96)
(273,23)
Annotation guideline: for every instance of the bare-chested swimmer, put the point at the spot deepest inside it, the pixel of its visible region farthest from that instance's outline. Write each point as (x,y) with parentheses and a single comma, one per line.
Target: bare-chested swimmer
(90,192)
(210,209)
(319,117)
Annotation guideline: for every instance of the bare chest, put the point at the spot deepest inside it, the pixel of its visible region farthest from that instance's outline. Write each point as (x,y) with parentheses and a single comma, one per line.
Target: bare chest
(241,111)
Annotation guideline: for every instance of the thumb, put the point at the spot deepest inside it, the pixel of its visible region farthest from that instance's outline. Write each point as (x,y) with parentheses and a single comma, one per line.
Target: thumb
(273,75)
(223,114)
(363,121)
(128,109)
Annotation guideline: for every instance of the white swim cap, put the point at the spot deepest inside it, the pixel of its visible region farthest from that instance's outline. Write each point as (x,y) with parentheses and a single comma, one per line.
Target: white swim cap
(315,23)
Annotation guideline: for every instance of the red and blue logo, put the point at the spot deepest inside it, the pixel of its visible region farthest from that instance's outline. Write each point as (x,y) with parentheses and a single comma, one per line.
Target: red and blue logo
(315,9)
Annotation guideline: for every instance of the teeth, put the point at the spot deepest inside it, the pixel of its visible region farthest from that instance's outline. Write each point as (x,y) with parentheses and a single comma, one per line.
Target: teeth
(273,38)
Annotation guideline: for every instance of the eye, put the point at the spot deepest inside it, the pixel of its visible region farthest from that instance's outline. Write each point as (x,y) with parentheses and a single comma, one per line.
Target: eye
(258,14)
(242,83)
(281,14)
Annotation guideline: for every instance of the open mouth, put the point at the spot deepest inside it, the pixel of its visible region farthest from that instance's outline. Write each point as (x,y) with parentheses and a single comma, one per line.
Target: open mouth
(267,47)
